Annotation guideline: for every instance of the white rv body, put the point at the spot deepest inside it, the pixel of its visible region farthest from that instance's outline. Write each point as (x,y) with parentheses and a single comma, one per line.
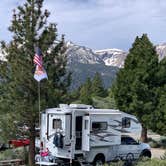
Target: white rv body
(87,132)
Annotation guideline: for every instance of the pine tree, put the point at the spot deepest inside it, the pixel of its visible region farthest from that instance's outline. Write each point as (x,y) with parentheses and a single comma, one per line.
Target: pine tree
(159,117)
(19,94)
(75,95)
(86,92)
(134,89)
(97,86)
(112,102)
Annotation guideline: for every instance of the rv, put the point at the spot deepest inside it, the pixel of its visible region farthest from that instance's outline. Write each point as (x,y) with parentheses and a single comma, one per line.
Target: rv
(79,132)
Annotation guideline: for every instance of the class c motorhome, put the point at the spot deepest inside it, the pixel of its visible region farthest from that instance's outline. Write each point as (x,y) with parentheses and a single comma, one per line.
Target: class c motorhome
(89,135)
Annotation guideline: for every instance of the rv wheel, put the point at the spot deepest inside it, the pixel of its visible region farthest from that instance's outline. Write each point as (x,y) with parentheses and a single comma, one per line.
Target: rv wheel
(117,158)
(1,145)
(130,157)
(146,153)
(99,160)
(76,163)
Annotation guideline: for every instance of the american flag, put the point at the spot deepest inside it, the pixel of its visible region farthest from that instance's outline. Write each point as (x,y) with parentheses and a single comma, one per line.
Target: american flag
(38,57)
(40,72)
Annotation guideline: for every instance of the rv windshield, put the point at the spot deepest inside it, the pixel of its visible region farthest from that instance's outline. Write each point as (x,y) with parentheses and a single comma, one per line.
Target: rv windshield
(126,140)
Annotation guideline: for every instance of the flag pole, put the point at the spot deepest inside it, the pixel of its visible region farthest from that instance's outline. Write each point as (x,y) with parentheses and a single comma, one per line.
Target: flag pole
(39,74)
(39,101)
(39,117)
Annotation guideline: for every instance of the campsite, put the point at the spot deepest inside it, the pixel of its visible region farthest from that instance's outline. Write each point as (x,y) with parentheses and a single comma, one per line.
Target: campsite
(83,82)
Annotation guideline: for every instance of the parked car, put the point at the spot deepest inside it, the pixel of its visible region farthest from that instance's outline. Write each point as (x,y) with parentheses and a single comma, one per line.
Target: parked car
(23,140)
(1,145)
(19,142)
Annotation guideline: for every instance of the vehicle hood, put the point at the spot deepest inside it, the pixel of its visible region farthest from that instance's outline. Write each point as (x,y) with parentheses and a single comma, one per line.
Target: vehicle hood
(144,146)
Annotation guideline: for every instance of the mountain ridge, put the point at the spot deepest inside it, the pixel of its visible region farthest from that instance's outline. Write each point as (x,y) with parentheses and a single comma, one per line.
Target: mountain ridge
(84,62)
(110,56)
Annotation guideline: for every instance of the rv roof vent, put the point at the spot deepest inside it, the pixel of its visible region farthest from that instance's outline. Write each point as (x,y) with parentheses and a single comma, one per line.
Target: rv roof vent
(63,105)
(81,106)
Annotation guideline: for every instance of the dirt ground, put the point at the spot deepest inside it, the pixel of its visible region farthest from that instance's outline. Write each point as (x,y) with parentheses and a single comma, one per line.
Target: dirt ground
(156,152)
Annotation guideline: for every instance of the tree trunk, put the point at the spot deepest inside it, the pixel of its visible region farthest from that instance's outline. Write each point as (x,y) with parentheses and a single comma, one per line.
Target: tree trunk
(144,137)
(31,155)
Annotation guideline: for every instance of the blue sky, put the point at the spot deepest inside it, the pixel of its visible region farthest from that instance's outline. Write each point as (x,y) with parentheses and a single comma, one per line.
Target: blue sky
(99,24)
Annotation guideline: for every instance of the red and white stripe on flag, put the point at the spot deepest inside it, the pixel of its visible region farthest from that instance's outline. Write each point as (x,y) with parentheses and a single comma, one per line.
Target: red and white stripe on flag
(38,60)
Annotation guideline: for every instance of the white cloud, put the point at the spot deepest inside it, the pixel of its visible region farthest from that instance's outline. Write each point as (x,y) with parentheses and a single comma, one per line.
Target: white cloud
(102,23)
(6,8)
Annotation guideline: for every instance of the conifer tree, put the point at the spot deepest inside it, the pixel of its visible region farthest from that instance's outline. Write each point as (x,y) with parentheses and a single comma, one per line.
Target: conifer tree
(134,89)
(75,95)
(19,94)
(159,117)
(112,99)
(86,92)
(97,86)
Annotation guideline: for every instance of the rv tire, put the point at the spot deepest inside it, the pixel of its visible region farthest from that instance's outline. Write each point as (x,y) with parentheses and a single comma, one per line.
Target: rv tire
(117,158)
(146,153)
(1,146)
(99,160)
(130,157)
(76,163)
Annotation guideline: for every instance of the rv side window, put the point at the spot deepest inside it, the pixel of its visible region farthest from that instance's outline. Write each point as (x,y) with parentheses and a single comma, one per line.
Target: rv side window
(99,126)
(125,122)
(86,125)
(56,124)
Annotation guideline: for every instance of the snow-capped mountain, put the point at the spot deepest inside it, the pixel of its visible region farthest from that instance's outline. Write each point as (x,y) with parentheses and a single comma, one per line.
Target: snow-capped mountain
(112,57)
(84,62)
(81,54)
(161,50)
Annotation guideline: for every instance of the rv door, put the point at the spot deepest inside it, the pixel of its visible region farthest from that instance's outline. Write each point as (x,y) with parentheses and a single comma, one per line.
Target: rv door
(55,122)
(86,133)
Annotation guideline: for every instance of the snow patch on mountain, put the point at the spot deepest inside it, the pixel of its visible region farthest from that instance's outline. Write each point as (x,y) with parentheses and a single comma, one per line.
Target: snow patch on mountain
(161,50)
(112,57)
(81,54)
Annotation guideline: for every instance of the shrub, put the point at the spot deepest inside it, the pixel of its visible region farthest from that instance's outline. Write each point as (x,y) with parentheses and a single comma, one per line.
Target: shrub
(157,143)
(154,144)
(120,163)
(152,162)
(8,154)
(162,142)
